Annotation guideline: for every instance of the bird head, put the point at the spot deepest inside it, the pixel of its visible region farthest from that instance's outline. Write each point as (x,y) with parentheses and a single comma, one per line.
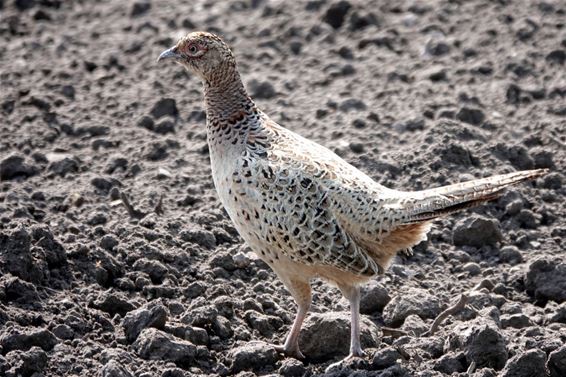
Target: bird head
(204,54)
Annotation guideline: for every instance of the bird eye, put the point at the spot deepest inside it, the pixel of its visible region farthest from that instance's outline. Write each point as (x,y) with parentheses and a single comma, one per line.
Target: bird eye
(193,49)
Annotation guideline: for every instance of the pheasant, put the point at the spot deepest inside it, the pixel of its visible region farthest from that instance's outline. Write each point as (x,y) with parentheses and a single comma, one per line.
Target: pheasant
(304,210)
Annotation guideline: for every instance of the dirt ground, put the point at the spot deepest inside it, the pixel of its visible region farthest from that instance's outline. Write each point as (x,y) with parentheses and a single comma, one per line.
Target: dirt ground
(415,93)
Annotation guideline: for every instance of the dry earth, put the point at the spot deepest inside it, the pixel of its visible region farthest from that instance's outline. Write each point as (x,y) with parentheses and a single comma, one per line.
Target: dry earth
(415,93)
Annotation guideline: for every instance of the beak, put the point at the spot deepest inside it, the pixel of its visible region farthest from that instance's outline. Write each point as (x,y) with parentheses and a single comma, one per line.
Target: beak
(169,54)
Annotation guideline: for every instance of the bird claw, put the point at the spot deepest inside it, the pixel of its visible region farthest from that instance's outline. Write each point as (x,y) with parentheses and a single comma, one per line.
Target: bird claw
(294,352)
(340,364)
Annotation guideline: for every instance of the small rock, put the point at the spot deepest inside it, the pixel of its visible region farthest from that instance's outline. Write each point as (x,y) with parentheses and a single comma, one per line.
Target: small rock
(255,356)
(153,314)
(194,289)
(146,122)
(27,363)
(517,321)
(374,297)
(527,364)
(18,290)
(114,369)
(409,125)
(16,166)
(546,280)
(472,268)
(24,4)
(359,21)
(62,331)
(477,231)
(113,303)
(108,242)
(154,344)
(323,334)
(261,89)
(24,339)
(557,362)
(510,254)
(471,116)
(68,91)
(385,358)
(197,335)
(163,107)
(241,260)
(559,315)
(436,47)
(140,8)
(352,104)
(291,367)
(64,166)
(517,155)
(556,57)
(336,14)
(357,147)
(415,301)
(413,324)
(155,269)
(481,341)
(103,184)
(199,236)
(164,127)
(451,363)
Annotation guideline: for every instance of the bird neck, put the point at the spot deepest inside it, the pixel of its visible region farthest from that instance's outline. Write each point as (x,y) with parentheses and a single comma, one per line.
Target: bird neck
(226,98)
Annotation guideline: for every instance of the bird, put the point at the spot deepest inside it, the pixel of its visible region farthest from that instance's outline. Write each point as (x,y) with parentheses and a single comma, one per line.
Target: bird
(300,207)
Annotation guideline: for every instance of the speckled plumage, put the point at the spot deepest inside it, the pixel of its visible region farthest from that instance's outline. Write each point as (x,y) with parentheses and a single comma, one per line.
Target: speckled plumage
(303,209)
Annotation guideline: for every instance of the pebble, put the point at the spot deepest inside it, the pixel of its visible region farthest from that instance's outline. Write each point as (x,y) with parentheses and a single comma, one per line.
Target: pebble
(481,341)
(557,362)
(291,367)
(28,363)
(385,358)
(323,335)
(64,166)
(198,235)
(261,89)
(16,338)
(114,369)
(451,363)
(546,280)
(470,115)
(15,166)
(414,301)
(139,8)
(527,364)
(374,297)
(477,231)
(154,344)
(155,269)
(335,15)
(113,303)
(153,314)
(164,107)
(472,268)
(253,356)
(517,321)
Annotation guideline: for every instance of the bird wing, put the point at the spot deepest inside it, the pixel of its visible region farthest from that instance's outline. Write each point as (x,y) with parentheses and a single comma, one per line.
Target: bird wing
(292,210)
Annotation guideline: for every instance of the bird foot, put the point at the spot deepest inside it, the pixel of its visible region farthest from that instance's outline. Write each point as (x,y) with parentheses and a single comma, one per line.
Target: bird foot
(355,354)
(294,352)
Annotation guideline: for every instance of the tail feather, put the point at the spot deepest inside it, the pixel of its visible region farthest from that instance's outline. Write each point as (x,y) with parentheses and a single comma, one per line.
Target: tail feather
(429,204)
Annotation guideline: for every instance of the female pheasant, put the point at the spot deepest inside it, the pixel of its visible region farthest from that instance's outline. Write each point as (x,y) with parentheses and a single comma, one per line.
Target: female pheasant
(305,211)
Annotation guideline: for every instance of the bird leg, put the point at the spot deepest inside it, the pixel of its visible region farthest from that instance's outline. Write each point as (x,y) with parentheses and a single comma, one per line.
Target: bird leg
(301,292)
(352,293)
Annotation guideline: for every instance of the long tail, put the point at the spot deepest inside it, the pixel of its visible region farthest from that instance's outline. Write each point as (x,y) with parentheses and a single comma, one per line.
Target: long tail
(429,204)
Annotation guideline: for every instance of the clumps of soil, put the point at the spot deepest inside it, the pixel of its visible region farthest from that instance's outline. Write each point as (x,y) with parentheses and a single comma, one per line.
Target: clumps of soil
(117,259)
